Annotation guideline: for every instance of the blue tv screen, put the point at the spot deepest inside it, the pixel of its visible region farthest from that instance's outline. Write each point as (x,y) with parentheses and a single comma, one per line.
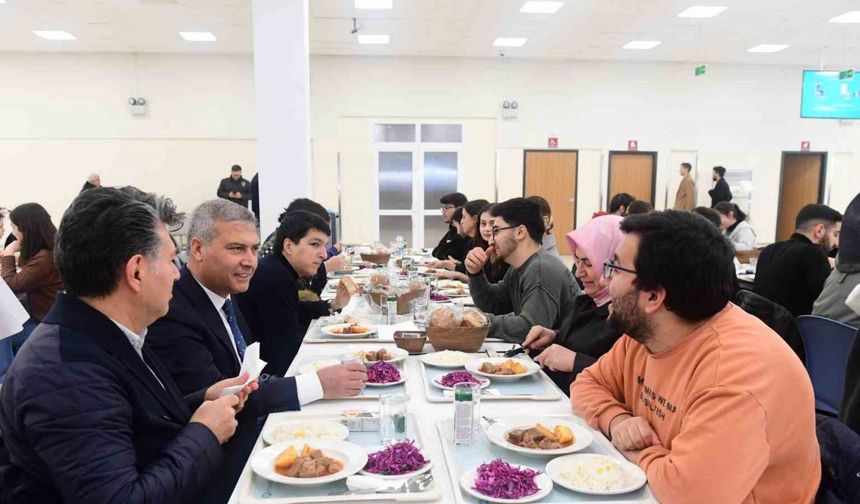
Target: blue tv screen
(825,96)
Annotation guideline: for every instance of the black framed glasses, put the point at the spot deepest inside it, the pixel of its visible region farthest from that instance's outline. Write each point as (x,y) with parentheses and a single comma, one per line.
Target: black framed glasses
(448,207)
(608,266)
(497,229)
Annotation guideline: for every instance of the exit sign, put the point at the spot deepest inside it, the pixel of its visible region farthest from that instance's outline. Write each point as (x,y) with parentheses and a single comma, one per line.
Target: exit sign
(846,74)
(700,70)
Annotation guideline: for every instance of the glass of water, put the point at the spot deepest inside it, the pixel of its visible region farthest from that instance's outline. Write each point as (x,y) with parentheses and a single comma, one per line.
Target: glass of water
(419,307)
(392,418)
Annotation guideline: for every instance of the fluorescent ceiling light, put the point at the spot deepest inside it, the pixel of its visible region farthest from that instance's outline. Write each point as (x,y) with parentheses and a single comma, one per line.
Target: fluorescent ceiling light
(198,36)
(702,11)
(374,4)
(373,39)
(540,7)
(767,48)
(509,42)
(54,35)
(641,45)
(848,17)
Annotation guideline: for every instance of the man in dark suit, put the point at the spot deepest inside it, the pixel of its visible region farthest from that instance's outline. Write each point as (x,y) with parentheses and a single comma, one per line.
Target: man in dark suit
(87,413)
(721,191)
(452,246)
(235,188)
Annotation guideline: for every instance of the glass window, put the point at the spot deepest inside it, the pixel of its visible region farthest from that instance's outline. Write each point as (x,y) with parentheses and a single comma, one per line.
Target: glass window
(393,132)
(440,177)
(395,181)
(434,229)
(392,225)
(441,133)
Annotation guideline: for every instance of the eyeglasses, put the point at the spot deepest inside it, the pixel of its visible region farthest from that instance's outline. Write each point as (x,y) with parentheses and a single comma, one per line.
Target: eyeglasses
(497,229)
(608,266)
(448,207)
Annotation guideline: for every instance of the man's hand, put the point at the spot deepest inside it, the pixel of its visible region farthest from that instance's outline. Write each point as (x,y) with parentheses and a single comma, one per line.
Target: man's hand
(557,358)
(476,259)
(630,433)
(539,337)
(214,392)
(344,380)
(342,297)
(218,416)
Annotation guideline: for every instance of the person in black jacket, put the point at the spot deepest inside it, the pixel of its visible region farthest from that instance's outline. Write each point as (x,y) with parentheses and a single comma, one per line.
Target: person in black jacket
(87,413)
(721,191)
(235,188)
(271,305)
(791,273)
(452,245)
(255,196)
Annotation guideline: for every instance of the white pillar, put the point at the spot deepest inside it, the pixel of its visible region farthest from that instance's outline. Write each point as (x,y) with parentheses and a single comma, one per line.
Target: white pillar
(282,102)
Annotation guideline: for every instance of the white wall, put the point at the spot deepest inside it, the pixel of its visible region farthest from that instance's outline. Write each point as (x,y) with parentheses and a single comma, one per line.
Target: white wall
(64,115)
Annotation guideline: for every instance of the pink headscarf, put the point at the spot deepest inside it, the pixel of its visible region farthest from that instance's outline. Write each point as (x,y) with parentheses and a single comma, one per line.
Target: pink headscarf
(598,239)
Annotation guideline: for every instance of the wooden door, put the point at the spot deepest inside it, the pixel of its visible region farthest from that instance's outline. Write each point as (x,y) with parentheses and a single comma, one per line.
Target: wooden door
(801,183)
(632,173)
(552,175)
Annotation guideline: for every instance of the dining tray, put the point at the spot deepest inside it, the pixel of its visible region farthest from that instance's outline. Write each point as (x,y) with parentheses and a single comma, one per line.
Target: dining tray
(537,387)
(369,392)
(460,459)
(384,333)
(253,489)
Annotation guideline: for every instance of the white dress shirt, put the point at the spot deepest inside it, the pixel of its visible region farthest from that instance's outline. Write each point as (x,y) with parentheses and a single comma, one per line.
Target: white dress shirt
(308,385)
(136,341)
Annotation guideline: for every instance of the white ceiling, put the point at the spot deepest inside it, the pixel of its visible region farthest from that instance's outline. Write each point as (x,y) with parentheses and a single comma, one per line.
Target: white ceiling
(582,29)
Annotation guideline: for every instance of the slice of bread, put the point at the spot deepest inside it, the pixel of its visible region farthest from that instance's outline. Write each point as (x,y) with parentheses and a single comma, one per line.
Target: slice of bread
(350,285)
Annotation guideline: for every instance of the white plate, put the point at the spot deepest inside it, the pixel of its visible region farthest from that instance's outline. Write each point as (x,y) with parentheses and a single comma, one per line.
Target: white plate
(437,383)
(313,367)
(582,437)
(474,366)
(304,430)
(353,457)
(389,384)
(347,270)
(451,284)
(329,330)
(454,293)
(633,477)
(426,467)
(543,481)
(397,354)
(432,359)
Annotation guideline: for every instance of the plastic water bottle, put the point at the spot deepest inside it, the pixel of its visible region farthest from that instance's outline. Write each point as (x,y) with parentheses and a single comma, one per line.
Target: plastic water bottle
(391,309)
(467,397)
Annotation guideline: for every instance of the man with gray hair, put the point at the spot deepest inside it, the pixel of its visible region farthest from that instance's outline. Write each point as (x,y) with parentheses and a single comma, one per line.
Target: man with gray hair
(93,181)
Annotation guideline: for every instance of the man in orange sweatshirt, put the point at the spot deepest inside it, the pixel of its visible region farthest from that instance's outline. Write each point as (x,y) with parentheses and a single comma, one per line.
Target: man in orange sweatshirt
(705,398)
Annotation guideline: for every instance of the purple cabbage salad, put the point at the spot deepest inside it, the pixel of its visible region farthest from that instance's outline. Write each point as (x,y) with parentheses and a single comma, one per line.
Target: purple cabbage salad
(382,372)
(503,481)
(453,378)
(439,297)
(399,458)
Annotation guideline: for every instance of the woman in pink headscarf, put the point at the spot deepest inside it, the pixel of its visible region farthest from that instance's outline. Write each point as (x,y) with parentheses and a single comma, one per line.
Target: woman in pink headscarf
(590,336)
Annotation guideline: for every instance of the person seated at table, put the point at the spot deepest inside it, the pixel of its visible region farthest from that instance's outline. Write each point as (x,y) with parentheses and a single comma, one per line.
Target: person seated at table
(39,279)
(791,273)
(495,269)
(639,207)
(708,213)
(466,220)
(538,289)
(733,222)
(271,304)
(618,205)
(589,336)
(846,275)
(705,398)
(548,244)
(452,245)
(87,413)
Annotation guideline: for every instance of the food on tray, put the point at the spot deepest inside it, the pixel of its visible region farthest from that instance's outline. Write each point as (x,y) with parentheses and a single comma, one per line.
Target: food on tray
(379,280)
(350,285)
(501,480)
(459,291)
(596,474)
(382,372)
(451,379)
(541,438)
(306,430)
(507,368)
(399,458)
(378,355)
(443,317)
(311,463)
(473,318)
(350,329)
(449,358)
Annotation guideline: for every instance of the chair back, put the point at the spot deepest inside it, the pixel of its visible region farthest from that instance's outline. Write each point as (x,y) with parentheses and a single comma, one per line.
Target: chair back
(826,344)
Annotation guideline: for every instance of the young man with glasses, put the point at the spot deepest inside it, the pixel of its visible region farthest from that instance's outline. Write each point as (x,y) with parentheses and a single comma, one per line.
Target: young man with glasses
(452,245)
(705,398)
(538,289)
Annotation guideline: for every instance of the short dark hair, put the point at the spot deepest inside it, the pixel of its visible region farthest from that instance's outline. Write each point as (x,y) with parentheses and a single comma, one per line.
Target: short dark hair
(724,207)
(163,206)
(620,200)
(708,213)
(308,205)
(100,231)
(815,213)
(639,207)
(457,216)
(474,207)
(521,212)
(454,198)
(295,226)
(235,167)
(688,166)
(720,170)
(35,224)
(687,257)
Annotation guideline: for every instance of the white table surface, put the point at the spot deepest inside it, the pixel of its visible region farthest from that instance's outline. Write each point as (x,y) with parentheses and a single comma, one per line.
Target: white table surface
(428,413)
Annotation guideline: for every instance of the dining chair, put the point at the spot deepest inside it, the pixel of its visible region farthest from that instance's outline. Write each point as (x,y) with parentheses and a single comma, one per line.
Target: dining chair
(826,346)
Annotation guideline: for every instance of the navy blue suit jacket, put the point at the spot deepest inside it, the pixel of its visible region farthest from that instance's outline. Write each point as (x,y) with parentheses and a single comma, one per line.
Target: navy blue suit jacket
(84,420)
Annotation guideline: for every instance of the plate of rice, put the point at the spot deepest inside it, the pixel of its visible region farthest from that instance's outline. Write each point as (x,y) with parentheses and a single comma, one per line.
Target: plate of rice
(596,474)
(304,429)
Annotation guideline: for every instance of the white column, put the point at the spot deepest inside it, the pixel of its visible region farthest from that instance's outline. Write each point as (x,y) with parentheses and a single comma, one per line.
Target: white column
(282,102)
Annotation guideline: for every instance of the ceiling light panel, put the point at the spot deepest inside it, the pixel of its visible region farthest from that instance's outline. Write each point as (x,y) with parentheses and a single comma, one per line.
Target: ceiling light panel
(54,35)
(702,11)
(509,42)
(541,7)
(641,45)
(198,36)
(373,39)
(848,17)
(767,48)
(374,4)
